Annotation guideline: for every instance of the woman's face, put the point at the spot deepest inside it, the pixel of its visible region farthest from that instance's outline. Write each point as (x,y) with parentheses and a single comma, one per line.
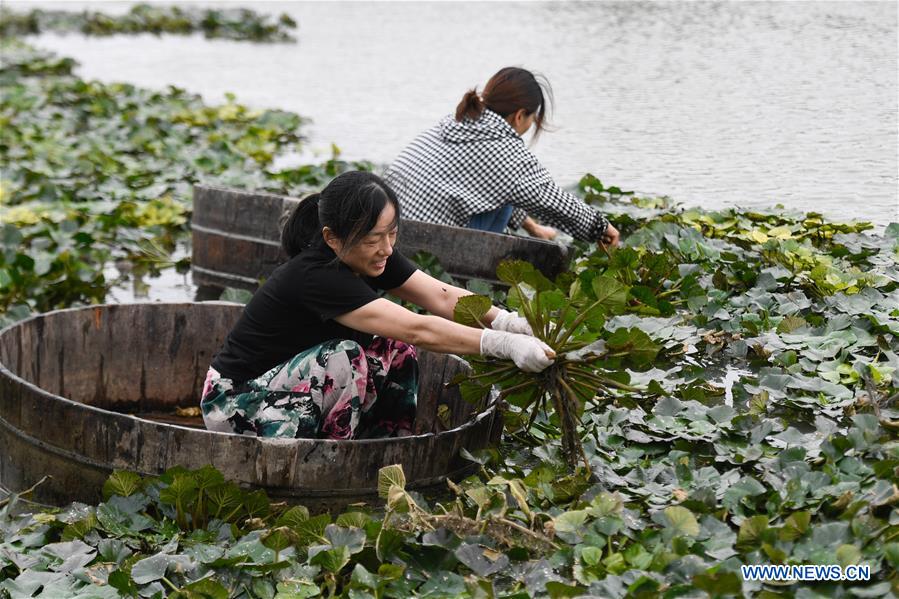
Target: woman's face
(369,256)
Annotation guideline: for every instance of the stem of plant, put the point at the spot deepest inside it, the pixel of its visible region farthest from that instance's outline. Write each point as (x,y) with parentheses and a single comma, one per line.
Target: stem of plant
(509,391)
(498,371)
(574,325)
(539,404)
(571,442)
(584,386)
(27,491)
(601,380)
(573,399)
(538,315)
(560,324)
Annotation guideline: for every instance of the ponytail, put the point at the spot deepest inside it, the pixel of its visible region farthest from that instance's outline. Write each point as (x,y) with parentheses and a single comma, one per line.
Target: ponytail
(508,91)
(302,227)
(471,106)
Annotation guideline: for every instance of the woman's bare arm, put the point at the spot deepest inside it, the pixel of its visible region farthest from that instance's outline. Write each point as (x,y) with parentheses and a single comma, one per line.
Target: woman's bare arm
(384,318)
(435,296)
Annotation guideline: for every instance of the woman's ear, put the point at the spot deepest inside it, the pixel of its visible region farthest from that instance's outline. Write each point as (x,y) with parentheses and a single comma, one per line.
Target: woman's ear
(331,239)
(520,117)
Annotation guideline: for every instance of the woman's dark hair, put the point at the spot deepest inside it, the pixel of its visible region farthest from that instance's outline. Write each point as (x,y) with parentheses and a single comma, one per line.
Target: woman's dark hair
(349,205)
(507,92)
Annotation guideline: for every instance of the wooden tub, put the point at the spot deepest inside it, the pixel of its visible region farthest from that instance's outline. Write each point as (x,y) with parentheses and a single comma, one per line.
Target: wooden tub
(86,391)
(236,241)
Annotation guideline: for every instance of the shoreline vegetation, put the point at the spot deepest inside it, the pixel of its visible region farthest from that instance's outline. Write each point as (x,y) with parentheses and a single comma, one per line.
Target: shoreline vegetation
(232,23)
(727,394)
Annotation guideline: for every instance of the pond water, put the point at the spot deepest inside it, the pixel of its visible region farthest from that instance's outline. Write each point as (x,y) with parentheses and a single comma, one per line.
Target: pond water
(719,104)
(714,104)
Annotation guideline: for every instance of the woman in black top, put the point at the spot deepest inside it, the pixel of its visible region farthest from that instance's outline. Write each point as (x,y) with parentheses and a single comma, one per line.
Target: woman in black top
(317,352)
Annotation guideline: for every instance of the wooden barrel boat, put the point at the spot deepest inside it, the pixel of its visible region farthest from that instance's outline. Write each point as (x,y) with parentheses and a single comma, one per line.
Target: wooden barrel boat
(86,391)
(236,242)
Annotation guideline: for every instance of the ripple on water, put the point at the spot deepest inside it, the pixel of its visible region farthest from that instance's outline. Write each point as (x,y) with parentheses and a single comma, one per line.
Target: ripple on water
(716,104)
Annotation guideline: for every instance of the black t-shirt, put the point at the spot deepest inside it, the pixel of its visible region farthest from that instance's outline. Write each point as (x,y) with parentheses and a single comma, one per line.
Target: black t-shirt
(295,310)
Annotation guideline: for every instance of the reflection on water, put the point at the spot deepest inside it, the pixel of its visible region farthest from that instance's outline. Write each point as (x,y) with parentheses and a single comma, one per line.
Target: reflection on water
(716,104)
(137,285)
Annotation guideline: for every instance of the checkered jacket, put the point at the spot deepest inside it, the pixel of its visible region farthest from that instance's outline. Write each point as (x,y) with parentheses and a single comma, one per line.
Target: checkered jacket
(455,170)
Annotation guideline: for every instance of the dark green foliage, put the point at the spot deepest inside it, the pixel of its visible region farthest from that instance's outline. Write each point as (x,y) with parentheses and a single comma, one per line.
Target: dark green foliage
(94,175)
(234,23)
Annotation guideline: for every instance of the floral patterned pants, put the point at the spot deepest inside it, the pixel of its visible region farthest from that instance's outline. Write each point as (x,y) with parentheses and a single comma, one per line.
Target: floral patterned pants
(337,390)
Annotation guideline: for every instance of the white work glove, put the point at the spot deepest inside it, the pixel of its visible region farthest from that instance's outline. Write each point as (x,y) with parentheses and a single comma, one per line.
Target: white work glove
(511,322)
(528,353)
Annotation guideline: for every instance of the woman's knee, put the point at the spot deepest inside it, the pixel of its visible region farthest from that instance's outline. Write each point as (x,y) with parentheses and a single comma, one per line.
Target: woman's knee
(344,359)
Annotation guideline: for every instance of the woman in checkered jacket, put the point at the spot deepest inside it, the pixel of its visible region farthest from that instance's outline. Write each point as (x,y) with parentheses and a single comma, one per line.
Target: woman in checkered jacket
(474,170)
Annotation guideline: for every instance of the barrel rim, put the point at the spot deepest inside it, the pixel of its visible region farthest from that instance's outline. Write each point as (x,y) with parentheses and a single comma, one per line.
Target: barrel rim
(6,373)
(225,188)
(565,249)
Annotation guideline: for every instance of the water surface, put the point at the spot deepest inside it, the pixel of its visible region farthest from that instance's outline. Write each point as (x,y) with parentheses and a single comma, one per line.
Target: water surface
(715,104)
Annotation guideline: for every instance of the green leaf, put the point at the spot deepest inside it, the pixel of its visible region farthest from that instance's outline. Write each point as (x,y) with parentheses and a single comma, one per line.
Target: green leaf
(225,501)
(571,521)
(205,588)
(207,477)
(590,184)
(638,557)
(615,563)
(256,504)
(719,584)
(481,561)
(606,504)
(182,491)
(745,487)
(751,531)
(390,476)
(312,530)
(796,525)
(681,521)
(516,272)
(636,346)
(848,555)
(351,538)
(470,310)
(591,555)
(293,589)
(122,483)
(891,553)
(790,324)
(332,559)
(277,539)
(558,589)
(156,566)
(363,578)
(610,293)
(293,516)
(79,528)
(121,582)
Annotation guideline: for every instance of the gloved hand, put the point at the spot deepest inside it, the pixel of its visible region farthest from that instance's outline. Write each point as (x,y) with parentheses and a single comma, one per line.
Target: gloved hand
(511,322)
(529,353)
